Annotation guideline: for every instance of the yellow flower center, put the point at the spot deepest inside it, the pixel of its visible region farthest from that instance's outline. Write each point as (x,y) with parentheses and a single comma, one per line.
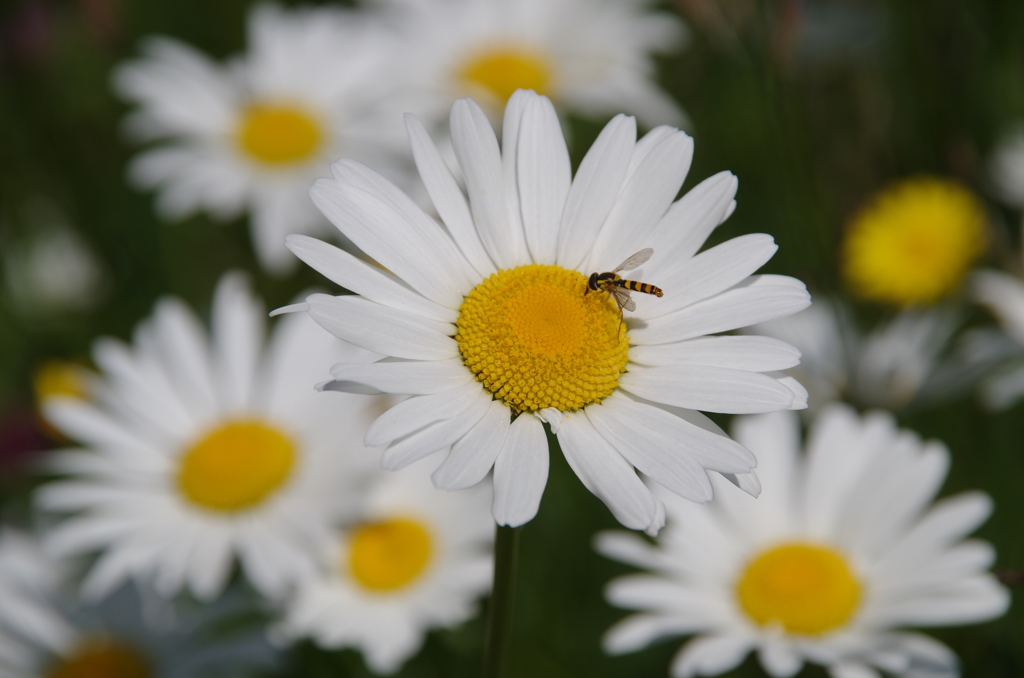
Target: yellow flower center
(535,340)
(389,554)
(58,378)
(236,466)
(102,659)
(806,589)
(914,243)
(278,134)
(501,71)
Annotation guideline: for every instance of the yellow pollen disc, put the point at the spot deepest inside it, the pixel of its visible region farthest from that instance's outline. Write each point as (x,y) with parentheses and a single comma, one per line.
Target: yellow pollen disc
(914,243)
(500,72)
(102,659)
(58,378)
(278,134)
(806,589)
(389,554)
(236,466)
(535,340)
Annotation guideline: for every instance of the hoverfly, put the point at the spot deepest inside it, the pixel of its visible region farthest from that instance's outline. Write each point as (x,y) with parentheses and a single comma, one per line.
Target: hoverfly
(614,285)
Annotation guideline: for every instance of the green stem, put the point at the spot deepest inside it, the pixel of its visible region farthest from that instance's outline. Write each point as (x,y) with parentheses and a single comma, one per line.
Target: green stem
(499,611)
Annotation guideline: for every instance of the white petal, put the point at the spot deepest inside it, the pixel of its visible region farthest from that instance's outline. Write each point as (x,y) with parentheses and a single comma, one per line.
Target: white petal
(447,197)
(421,411)
(383,329)
(544,177)
(595,189)
(657,455)
(779,659)
(401,377)
(94,427)
(948,521)
(757,299)
(473,456)
(607,475)
(439,247)
(368,281)
(751,353)
(656,593)
(714,450)
(710,655)
(775,440)
(710,389)
(800,394)
(660,163)
(710,272)
(185,354)
(748,482)
(630,548)
(1004,294)
(210,565)
(152,397)
(968,602)
(420,253)
(276,211)
(238,331)
(926,654)
(690,220)
(852,670)
(476,149)
(640,630)
(520,472)
(514,110)
(434,437)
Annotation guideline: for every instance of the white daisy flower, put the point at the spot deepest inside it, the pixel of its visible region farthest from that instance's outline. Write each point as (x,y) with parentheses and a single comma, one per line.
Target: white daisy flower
(254,133)
(842,551)
(908,361)
(46,630)
(490,314)
(418,559)
(200,449)
(591,57)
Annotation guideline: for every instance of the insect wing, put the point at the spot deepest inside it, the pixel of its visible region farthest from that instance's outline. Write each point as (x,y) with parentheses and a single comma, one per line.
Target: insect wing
(622,298)
(635,260)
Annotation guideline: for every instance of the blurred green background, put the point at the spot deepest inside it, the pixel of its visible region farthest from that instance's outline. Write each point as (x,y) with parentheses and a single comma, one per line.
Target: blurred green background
(813,105)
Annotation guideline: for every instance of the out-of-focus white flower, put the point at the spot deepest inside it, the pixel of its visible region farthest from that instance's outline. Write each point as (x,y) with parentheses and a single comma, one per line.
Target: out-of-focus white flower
(254,133)
(490,314)
(52,270)
(417,560)
(842,550)
(1006,168)
(46,630)
(203,448)
(905,362)
(592,57)
(1004,295)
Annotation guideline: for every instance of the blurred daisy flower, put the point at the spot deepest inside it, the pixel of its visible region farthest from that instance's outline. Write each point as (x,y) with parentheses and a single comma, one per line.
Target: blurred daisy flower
(488,317)
(1003,294)
(254,133)
(842,550)
(914,242)
(910,361)
(46,630)
(51,271)
(590,57)
(1006,167)
(200,449)
(417,560)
